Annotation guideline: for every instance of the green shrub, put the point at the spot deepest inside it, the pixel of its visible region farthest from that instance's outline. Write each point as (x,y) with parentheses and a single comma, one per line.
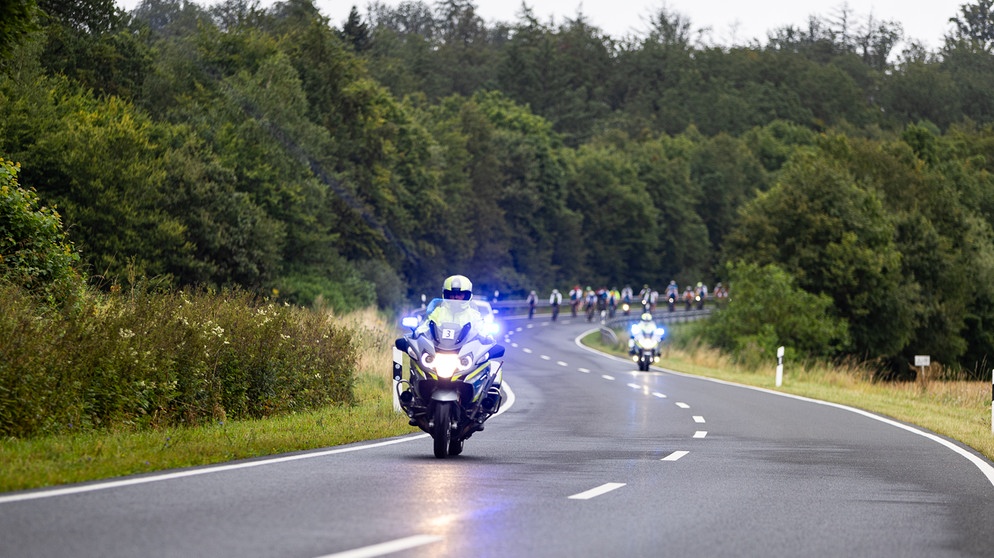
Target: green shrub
(145,359)
(767,310)
(34,250)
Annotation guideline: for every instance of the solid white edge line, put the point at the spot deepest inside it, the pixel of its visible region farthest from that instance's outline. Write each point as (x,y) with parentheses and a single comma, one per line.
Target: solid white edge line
(208,469)
(985,468)
(675,455)
(595,492)
(387,547)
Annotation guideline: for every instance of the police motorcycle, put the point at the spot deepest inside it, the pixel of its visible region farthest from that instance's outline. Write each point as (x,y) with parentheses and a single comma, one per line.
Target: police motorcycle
(643,345)
(454,377)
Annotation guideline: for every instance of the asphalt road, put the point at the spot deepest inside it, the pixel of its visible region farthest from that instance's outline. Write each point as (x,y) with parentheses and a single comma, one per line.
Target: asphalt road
(588,458)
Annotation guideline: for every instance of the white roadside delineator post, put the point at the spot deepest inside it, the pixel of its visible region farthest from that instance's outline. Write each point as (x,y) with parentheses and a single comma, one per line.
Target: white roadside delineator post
(398,373)
(780,351)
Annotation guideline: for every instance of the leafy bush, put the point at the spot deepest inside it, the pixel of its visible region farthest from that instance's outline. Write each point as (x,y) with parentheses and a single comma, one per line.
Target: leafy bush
(35,252)
(767,310)
(146,359)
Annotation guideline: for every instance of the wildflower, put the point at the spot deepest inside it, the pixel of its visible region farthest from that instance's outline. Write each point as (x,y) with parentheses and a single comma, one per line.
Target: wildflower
(126,333)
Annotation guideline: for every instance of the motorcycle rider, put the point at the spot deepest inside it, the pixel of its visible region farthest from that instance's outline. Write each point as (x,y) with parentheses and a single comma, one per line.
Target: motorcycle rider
(701,294)
(457,288)
(626,298)
(647,327)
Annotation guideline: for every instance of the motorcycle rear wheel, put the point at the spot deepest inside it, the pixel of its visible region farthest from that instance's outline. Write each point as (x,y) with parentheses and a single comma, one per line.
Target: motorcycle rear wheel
(441,431)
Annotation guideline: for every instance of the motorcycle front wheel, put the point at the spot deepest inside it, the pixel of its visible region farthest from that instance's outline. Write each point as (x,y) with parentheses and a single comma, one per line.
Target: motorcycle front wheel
(441,432)
(455,446)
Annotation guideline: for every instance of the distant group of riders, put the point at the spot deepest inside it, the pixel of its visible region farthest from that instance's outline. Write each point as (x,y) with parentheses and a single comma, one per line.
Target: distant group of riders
(607,302)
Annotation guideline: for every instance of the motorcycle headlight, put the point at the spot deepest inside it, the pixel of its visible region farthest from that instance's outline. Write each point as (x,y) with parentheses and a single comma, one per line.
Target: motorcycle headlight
(446,364)
(635,329)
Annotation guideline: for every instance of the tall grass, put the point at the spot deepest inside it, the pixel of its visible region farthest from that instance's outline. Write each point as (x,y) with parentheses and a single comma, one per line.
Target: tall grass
(145,359)
(74,455)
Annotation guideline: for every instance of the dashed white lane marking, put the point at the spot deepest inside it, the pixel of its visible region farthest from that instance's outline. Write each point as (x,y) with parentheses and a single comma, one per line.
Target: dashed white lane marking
(561,363)
(595,492)
(529,326)
(700,433)
(606,377)
(519,329)
(659,395)
(698,419)
(634,386)
(545,357)
(682,405)
(584,370)
(675,455)
(527,350)
(515,345)
(387,547)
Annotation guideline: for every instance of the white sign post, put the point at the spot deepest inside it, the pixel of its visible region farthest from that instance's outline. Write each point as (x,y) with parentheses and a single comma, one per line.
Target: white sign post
(922,362)
(780,351)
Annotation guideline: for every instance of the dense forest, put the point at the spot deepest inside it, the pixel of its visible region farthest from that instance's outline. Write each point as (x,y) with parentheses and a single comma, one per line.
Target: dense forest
(840,163)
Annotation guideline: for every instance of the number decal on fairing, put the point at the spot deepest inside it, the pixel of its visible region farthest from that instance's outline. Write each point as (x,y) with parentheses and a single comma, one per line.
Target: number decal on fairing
(448,334)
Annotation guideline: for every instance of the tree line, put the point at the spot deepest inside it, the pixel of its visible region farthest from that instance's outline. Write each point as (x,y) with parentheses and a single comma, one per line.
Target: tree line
(266,147)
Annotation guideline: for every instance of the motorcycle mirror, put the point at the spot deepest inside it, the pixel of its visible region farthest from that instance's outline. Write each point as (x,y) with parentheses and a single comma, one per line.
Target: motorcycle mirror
(496,351)
(403,344)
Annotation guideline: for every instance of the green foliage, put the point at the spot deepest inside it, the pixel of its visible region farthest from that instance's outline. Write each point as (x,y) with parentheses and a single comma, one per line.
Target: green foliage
(35,252)
(820,226)
(143,358)
(96,160)
(768,310)
(262,147)
(15,23)
(92,42)
(339,286)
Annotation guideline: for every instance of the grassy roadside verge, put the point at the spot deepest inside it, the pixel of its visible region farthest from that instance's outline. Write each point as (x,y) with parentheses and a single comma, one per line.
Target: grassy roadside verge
(53,460)
(960,410)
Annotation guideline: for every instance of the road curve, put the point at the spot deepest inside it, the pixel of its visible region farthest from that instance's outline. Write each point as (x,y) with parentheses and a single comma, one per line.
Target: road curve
(592,459)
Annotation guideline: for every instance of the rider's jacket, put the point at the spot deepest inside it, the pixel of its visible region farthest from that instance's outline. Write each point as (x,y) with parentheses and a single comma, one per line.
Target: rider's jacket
(461,312)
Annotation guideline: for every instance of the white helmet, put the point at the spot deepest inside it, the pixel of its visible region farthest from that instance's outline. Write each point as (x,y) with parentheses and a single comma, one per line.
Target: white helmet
(458,287)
